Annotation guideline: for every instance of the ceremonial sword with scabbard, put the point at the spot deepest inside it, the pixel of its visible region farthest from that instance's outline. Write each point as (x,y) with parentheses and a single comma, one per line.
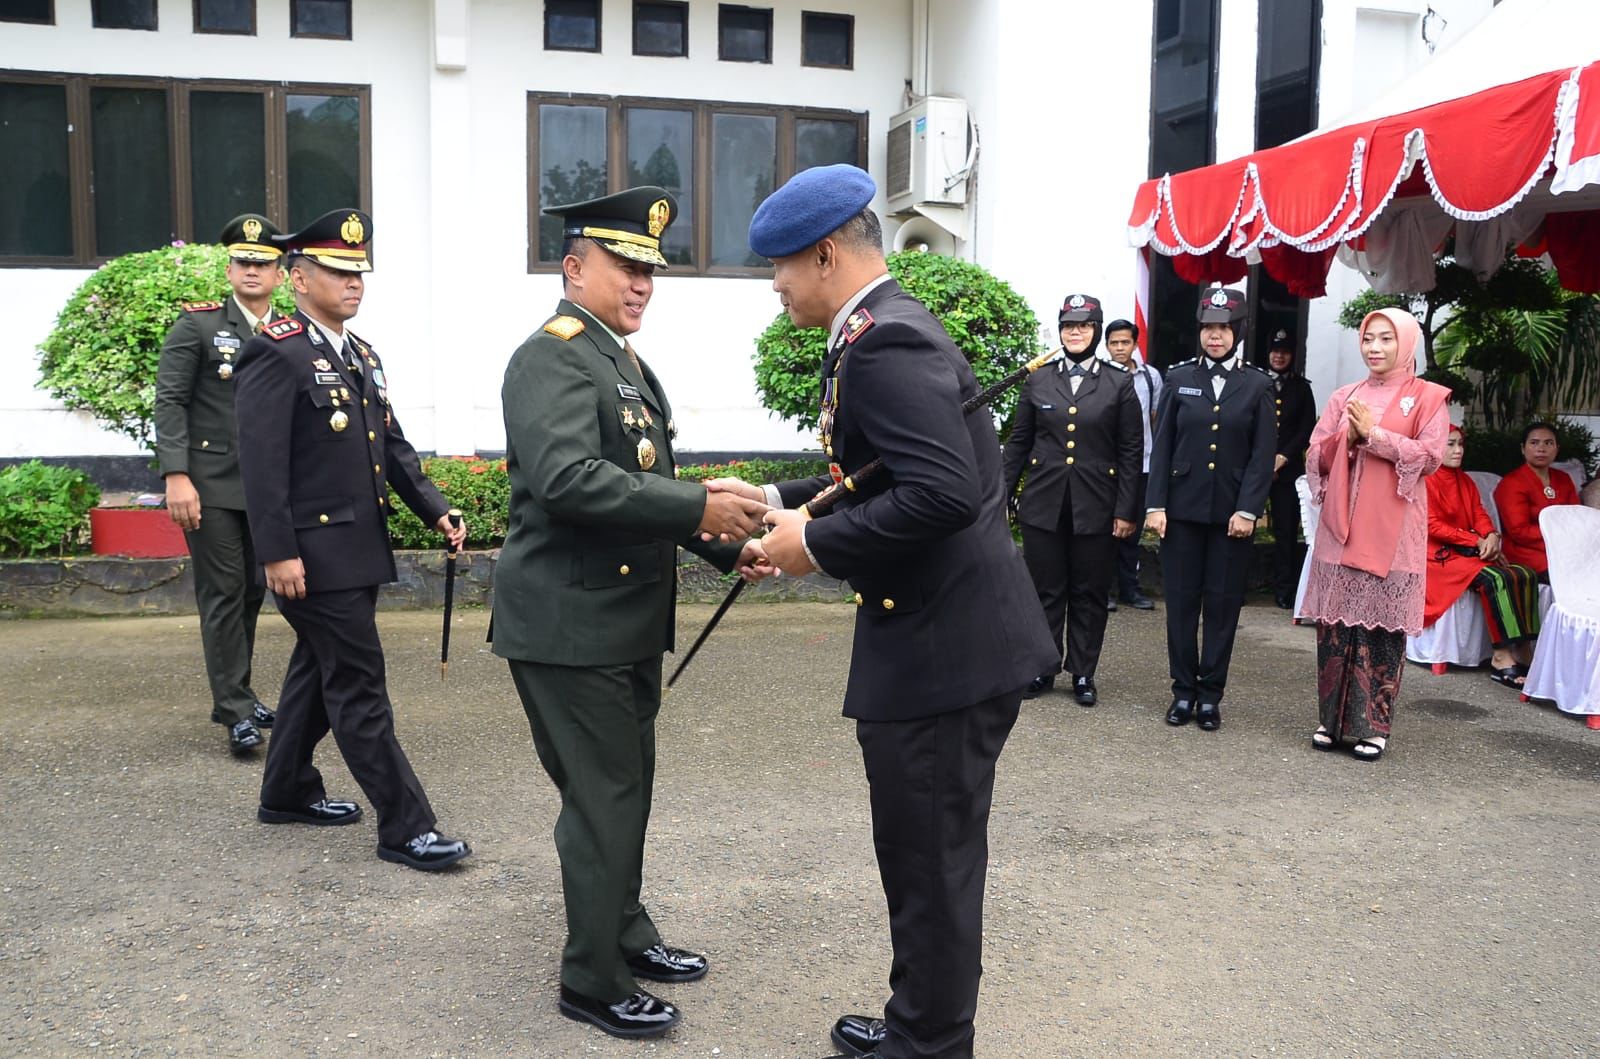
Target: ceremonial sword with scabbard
(824,501)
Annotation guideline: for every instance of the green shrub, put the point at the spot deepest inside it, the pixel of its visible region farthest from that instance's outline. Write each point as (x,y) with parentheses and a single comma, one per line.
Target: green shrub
(1500,450)
(103,353)
(756,472)
(479,487)
(988,321)
(44,510)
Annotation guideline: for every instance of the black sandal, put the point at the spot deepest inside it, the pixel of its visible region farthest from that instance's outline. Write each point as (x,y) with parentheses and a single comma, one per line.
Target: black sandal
(1367,750)
(1508,676)
(1327,742)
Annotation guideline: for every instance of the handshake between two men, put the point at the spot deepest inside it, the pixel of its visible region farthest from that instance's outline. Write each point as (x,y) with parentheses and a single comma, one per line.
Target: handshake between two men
(735,510)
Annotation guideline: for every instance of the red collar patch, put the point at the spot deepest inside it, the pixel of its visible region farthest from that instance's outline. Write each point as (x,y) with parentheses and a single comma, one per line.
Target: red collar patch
(856,325)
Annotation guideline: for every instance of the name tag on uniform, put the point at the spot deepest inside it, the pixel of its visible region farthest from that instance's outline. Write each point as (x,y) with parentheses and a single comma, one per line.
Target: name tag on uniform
(1047,407)
(1191,391)
(629,393)
(327,378)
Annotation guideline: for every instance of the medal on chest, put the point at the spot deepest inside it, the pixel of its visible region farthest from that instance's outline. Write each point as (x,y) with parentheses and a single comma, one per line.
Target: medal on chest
(647,454)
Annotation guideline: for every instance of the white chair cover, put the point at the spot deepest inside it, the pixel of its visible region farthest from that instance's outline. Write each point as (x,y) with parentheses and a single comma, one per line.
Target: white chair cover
(1460,637)
(1566,662)
(1574,470)
(1486,482)
(1310,515)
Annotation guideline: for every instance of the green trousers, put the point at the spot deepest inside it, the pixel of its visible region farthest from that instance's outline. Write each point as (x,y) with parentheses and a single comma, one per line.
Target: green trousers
(229,599)
(595,731)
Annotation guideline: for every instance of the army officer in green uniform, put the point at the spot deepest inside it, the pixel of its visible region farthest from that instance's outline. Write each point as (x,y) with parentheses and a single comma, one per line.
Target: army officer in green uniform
(584,592)
(196,447)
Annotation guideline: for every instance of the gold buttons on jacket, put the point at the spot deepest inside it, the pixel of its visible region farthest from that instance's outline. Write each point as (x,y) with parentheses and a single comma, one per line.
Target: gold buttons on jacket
(1216,426)
(1073,410)
(623,570)
(371,436)
(363,402)
(1033,461)
(1211,466)
(1072,444)
(1213,446)
(1069,461)
(1111,471)
(859,600)
(1216,408)
(322,519)
(205,444)
(380,501)
(888,604)
(377,468)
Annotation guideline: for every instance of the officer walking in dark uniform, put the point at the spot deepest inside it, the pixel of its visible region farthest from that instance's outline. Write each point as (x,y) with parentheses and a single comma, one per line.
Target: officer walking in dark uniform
(948,628)
(1077,434)
(1297,416)
(318,444)
(1210,469)
(198,453)
(585,589)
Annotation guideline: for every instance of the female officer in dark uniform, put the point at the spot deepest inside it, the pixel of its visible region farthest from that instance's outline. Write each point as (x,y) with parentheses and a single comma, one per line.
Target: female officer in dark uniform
(1079,436)
(1210,468)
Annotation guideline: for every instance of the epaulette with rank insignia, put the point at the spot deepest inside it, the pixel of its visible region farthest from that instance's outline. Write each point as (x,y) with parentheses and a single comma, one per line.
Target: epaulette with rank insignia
(565,328)
(1114,364)
(856,325)
(201,307)
(1262,370)
(1185,363)
(282,329)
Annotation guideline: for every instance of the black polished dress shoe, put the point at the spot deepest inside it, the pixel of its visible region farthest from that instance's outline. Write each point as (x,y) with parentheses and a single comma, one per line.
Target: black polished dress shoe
(659,963)
(244,737)
(858,1034)
(1083,691)
(429,851)
(325,813)
(1180,712)
(262,716)
(1139,601)
(636,1015)
(1111,604)
(1209,719)
(1038,686)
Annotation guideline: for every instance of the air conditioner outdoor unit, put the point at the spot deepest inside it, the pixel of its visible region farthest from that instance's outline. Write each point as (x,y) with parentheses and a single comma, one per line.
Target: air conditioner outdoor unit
(929,154)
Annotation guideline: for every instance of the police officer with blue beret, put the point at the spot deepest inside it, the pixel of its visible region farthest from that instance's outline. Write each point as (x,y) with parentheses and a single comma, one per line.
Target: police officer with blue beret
(319,445)
(948,628)
(1210,469)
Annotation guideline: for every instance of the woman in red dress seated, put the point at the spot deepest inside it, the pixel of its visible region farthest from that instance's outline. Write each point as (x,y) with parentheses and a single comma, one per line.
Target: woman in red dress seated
(1464,553)
(1528,490)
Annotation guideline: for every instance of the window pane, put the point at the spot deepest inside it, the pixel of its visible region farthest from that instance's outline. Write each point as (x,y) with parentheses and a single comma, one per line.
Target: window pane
(661,151)
(226,16)
(324,139)
(124,14)
(825,39)
(227,158)
(744,34)
(36,209)
(819,142)
(572,24)
(572,165)
(744,162)
(25,11)
(132,174)
(660,29)
(321,18)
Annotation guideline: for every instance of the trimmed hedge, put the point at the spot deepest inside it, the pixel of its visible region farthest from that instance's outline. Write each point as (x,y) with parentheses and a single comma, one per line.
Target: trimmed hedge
(44,510)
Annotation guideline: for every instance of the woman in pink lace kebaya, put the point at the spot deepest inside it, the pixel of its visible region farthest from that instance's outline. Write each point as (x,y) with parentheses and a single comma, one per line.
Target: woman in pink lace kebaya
(1375,442)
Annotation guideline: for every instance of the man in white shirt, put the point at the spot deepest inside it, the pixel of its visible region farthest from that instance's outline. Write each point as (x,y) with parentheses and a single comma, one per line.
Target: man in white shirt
(1122,348)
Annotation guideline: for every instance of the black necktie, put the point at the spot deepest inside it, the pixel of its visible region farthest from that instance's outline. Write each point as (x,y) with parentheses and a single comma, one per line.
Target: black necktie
(1219,368)
(1078,369)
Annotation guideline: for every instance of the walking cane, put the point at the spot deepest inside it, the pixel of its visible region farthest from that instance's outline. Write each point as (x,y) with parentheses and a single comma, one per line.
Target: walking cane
(449,596)
(823,502)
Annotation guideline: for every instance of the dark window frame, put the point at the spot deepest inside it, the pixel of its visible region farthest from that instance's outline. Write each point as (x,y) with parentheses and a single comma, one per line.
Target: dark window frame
(251,32)
(723,9)
(616,108)
(80,163)
(850,44)
(155,15)
(48,20)
(294,11)
(599,32)
(680,5)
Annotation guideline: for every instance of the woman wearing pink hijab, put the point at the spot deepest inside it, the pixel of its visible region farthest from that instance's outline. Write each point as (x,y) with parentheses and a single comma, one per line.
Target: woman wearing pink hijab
(1375,442)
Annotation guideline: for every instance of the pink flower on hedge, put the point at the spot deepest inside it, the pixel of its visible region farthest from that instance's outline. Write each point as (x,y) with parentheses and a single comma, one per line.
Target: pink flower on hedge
(481,468)
(178,242)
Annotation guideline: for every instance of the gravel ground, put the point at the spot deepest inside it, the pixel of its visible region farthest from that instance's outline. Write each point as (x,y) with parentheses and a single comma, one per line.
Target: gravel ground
(1152,892)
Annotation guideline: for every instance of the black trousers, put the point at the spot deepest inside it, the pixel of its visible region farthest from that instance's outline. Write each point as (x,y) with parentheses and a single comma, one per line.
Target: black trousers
(335,682)
(229,599)
(1287,554)
(1072,574)
(1129,551)
(594,729)
(1203,571)
(932,783)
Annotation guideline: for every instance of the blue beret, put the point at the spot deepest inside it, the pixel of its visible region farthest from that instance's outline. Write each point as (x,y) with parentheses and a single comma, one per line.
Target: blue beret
(813,204)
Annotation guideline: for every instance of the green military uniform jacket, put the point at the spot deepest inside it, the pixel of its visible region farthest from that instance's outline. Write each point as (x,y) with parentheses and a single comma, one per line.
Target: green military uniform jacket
(588,574)
(195,430)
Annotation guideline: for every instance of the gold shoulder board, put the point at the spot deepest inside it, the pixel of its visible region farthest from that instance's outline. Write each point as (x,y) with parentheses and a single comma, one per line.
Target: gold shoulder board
(565,327)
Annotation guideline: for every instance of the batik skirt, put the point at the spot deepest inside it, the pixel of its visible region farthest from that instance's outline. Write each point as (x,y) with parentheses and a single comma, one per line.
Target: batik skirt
(1358,677)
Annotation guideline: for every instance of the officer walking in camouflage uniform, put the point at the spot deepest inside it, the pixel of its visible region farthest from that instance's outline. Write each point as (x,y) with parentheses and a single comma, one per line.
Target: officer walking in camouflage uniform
(198,453)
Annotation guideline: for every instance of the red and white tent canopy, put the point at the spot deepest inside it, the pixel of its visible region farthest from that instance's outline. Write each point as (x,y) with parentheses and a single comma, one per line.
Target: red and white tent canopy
(1515,164)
